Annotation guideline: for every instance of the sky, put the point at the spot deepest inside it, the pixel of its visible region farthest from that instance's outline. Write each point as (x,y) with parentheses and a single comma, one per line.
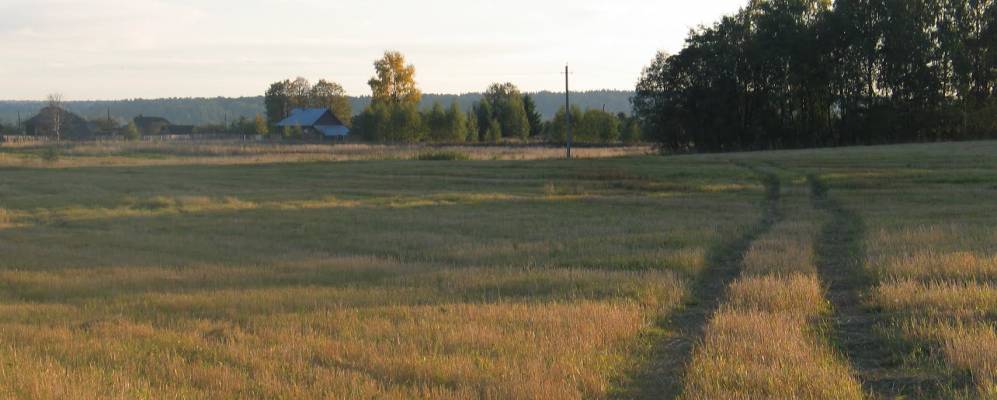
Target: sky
(119,49)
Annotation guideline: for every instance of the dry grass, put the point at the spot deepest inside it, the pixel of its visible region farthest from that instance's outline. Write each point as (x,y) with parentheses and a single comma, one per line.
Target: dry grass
(929,243)
(226,270)
(799,295)
(501,350)
(242,153)
(377,279)
(766,355)
(760,344)
(925,262)
(938,298)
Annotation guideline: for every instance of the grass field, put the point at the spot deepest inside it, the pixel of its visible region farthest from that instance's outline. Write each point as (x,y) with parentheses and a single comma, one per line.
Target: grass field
(221,271)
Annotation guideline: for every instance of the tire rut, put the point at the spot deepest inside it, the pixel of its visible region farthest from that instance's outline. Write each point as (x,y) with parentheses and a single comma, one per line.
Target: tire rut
(662,376)
(854,327)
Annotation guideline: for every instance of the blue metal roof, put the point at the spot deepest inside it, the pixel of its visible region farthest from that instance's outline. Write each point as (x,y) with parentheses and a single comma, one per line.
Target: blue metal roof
(303,117)
(312,118)
(333,131)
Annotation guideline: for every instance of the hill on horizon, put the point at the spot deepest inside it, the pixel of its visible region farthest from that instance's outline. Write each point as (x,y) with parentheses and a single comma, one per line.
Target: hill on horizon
(216,110)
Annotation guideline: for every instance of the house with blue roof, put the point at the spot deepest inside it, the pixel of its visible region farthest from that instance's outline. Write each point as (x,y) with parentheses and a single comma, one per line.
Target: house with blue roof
(316,122)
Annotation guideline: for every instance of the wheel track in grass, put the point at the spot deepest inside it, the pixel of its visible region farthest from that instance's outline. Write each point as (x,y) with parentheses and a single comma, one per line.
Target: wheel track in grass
(662,374)
(854,326)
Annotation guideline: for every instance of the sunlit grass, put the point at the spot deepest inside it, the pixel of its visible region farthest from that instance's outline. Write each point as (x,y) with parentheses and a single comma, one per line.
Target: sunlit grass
(952,299)
(929,246)
(151,270)
(375,279)
(762,342)
(149,153)
(766,355)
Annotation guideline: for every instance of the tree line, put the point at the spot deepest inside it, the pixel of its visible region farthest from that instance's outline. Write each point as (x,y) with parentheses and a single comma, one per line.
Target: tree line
(503,112)
(804,73)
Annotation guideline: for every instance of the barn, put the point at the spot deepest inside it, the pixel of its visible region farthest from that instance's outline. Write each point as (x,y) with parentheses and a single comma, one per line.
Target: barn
(71,126)
(319,122)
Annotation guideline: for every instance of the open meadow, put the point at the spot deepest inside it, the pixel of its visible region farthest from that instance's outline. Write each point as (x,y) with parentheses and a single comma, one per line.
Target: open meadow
(252,271)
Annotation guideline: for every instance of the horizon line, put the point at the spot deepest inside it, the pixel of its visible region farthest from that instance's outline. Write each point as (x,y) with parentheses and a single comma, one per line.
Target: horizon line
(260,95)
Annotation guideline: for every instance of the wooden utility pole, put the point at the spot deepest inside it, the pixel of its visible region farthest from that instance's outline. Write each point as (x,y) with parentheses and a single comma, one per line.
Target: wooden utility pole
(567,108)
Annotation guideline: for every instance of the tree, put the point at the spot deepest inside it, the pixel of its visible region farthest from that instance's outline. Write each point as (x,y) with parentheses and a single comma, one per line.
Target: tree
(508,108)
(394,82)
(393,114)
(629,129)
(277,101)
(331,95)
(485,115)
(493,134)
(597,126)
(472,131)
(298,93)
(456,124)
(55,106)
(260,126)
(436,121)
(532,116)
(558,130)
(386,123)
(801,73)
(131,131)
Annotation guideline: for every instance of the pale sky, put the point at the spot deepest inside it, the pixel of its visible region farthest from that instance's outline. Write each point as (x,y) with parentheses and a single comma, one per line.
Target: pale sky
(114,49)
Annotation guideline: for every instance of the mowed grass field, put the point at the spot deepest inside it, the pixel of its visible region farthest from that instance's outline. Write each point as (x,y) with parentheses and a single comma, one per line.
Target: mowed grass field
(150,271)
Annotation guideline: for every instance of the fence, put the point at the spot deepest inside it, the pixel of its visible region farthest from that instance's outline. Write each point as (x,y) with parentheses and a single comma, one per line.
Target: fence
(22,140)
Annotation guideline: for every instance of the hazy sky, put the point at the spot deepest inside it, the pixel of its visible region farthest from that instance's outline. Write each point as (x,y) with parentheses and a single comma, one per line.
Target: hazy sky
(112,49)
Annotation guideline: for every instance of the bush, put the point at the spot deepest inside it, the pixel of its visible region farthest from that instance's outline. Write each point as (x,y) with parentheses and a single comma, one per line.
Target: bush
(443,155)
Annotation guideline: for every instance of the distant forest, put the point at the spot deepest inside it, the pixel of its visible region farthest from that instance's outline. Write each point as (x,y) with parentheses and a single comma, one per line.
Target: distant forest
(205,111)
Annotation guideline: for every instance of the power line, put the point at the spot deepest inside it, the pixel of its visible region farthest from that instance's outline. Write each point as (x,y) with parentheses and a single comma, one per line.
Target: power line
(567,107)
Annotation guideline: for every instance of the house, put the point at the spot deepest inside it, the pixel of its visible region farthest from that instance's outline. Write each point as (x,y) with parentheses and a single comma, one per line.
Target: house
(320,122)
(151,125)
(70,126)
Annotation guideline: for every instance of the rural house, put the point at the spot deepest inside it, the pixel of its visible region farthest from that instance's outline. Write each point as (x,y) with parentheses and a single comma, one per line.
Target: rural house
(161,126)
(320,122)
(151,125)
(71,126)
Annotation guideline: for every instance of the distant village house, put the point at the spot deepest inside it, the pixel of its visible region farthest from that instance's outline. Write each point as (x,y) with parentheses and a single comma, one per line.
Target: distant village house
(160,126)
(55,122)
(318,123)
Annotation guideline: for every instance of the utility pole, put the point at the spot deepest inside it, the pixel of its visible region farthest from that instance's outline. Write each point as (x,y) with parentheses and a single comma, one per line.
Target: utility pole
(567,107)
(19,123)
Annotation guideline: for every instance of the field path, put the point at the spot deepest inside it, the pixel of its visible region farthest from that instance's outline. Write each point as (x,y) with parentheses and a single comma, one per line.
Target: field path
(662,376)
(840,255)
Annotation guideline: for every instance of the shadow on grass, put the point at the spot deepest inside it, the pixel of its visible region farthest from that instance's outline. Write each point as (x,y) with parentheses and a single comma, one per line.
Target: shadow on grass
(855,329)
(662,373)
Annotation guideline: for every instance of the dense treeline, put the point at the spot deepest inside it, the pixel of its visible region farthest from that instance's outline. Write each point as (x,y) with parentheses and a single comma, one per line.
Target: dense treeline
(801,73)
(210,111)
(502,114)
